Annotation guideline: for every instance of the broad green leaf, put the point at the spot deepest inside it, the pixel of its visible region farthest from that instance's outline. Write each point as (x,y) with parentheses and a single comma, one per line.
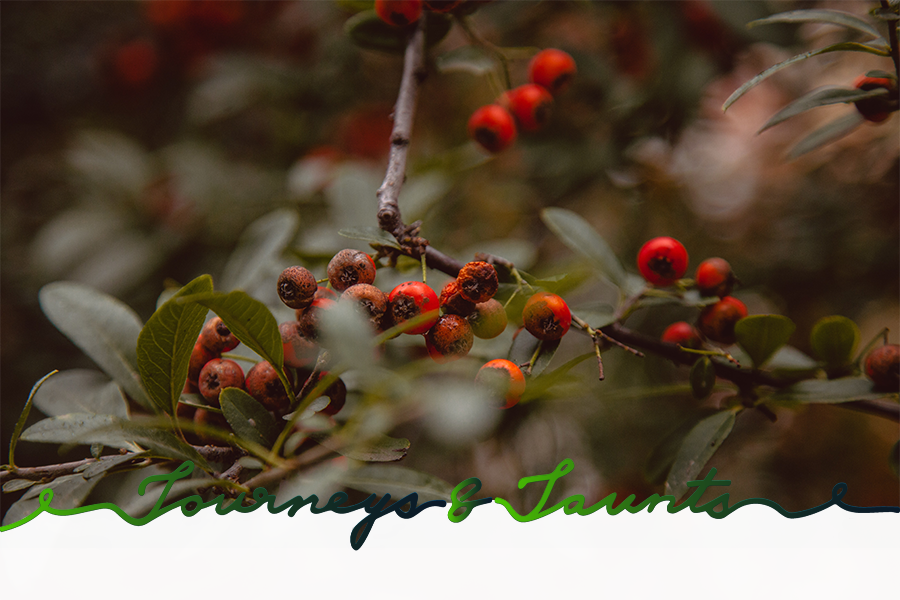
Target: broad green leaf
(15,485)
(538,385)
(833,17)
(373,235)
(398,482)
(367,30)
(69,491)
(703,378)
(379,448)
(834,340)
(663,455)
(789,363)
(259,246)
(247,417)
(581,238)
(821,97)
(825,391)
(761,335)
(698,447)
(840,47)
(103,327)
(83,391)
(467,59)
(826,134)
(251,322)
(23,417)
(165,344)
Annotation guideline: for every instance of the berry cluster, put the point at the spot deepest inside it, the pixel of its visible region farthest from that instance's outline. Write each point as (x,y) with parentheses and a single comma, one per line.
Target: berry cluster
(400,13)
(495,126)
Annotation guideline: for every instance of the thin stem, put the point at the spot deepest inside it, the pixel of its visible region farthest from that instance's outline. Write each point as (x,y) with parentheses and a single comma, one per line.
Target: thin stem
(892,38)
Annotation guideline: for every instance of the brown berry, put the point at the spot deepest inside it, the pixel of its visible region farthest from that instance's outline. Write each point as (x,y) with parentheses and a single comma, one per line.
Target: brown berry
(489,319)
(216,336)
(217,375)
(451,338)
(296,287)
(349,267)
(263,384)
(372,302)
(478,281)
(298,350)
(883,367)
(310,318)
(452,300)
(199,357)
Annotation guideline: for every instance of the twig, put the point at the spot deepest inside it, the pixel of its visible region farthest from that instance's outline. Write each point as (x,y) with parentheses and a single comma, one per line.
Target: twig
(892,37)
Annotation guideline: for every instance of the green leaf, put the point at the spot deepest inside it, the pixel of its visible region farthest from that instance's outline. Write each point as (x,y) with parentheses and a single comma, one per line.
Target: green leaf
(367,30)
(165,343)
(660,461)
(840,47)
(581,238)
(373,235)
(703,378)
(81,390)
(251,322)
(107,463)
(698,447)
(69,491)
(834,340)
(833,17)
(789,363)
(821,97)
(103,327)
(348,336)
(825,391)
(379,448)
(23,417)
(259,246)
(761,335)
(524,347)
(540,384)
(827,133)
(247,417)
(15,485)
(881,74)
(398,482)
(467,59)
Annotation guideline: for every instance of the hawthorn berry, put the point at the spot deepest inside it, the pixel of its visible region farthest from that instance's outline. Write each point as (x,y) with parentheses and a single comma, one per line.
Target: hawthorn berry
(714,277)
(218,374)
(309,319)
(207,418)
(372,302)
(336,393)
(493,127)
(297,287)
(503,378)
(683,334)
(489,319)
(299,351)
(200,355)
(349,267)
(530,104)
(411,299)
(449,339)
(216,336)
(876,110)
(662,261)
(478,281)
(552,69)
(453,302)
(546,316)
(324,292)
(883,367)
(262,382)
(398,13)
(717,321)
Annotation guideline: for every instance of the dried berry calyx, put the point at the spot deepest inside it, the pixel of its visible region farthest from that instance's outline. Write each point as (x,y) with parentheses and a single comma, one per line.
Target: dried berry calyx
(297,287)
(478,281)
(450,339)
(350,267)
(546,316)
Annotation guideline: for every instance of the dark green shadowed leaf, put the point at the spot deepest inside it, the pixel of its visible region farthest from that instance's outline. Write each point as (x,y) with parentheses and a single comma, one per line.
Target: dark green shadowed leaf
(834,391)
(380,448)
(367,30)
(834,17)
(761,335)
(581,238)
(524,347)
(23,417)
(698,447)
(373,235)
(83,391)
(258,247)
(826,134)
(104,328)
(165,344)
(834,340)
(538,385)
(251,322)
(398,482)
(703,378)
(821,97)
(663,455)
(247,417)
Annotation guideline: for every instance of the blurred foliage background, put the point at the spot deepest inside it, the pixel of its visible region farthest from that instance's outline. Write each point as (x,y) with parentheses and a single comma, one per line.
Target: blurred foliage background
(141,138)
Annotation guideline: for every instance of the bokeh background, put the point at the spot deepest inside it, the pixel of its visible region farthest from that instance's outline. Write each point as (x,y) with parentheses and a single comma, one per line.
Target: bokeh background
(139,140)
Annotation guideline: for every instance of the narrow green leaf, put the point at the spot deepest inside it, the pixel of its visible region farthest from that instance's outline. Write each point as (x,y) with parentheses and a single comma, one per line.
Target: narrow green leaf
(761,335)
(379,448)
(827,134)
(15,485)
(821,97)
(538,385)
(107,463)
(882,74)
(834,340)
(81,390)
(524,347)
(373,235)
(165,343)
(69,491)
(247,417)
(703,378)
(259,246)
(790,364)
(26,410)
(663,455)
(103,327)
(251,322)
(840,47)
(398,482)
(581,238)
(824,391)
(698,447)
(833,17)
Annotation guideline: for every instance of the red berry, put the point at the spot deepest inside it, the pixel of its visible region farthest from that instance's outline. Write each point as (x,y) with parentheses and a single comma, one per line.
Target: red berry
(349,267)
(478,281)
(216,336)
(714,277)
(371,302)
(493,128)
(489,319)
(324,292)
(452,300)
(662,261)
(399,13)
(552,69)
(503,378)
(546,316)
(217,375)
(530,104)
(296,287)
(264,385)
(299,351)
(450,339)
(412,299)
(683,334)
(199,357)
(308,319)
(876,110)
(883,367)
(717,321)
